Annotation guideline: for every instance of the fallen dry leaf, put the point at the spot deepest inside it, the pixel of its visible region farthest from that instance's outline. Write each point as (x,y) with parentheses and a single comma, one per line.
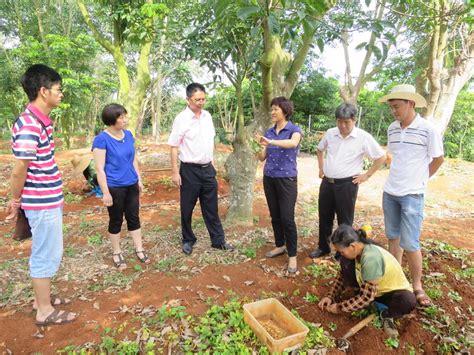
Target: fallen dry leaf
(39,334)
(248,283)
(227,278)
(174,302)
(214,287)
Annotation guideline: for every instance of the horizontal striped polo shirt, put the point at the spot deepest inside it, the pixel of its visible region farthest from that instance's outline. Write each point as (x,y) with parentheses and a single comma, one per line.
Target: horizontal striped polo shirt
(43,185)
(413,148)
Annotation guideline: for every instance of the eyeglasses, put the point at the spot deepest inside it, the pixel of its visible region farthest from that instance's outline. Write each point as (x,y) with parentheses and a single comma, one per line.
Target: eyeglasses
(59,91)
(198,100)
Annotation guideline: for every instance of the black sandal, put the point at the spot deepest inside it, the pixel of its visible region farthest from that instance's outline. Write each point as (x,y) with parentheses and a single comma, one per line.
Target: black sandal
(145,259)
(120,264)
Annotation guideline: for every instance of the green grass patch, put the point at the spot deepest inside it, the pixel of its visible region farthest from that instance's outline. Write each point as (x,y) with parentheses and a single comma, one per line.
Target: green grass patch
(320,271)
(95,240)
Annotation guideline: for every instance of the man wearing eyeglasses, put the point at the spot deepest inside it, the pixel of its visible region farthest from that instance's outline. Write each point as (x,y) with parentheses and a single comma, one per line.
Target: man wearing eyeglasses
(192,140)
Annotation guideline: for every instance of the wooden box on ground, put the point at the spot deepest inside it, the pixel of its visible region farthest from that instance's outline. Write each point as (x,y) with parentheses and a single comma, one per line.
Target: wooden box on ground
(275,325)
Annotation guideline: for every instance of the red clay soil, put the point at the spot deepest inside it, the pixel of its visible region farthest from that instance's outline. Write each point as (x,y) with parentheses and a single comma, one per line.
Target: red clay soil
(156,288)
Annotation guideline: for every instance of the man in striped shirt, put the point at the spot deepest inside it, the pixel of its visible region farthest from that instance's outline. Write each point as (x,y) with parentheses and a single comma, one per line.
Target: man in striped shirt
(36,187)
(417,154)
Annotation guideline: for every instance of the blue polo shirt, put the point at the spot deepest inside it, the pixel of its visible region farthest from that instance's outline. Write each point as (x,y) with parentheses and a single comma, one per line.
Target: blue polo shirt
(281,162)
(119,158)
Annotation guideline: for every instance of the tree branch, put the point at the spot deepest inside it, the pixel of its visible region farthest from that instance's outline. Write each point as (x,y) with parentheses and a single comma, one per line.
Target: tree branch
(103,41)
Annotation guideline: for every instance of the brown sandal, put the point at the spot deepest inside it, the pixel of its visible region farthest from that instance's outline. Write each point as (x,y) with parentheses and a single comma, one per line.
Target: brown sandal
(145,259)
(120,264)
(56,319)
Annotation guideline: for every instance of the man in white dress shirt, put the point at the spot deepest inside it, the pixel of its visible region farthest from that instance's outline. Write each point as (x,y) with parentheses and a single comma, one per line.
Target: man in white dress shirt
(192,138)
(417,153)
(345,147)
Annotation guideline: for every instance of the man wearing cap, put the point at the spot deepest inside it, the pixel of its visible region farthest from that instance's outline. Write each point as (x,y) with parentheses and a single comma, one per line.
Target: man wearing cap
(192,136)
(341,172)
(417,153)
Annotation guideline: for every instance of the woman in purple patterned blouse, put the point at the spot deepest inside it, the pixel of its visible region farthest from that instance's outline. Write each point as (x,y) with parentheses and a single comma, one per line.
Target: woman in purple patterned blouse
(280,148)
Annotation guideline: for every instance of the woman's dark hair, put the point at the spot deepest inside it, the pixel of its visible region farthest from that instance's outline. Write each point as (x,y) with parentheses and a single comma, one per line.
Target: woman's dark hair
(285,105)
(36,77)
(345,235)
(111,112)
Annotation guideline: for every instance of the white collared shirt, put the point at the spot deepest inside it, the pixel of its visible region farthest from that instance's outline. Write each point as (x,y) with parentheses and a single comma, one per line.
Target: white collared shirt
(194,136)
(413,148)
(345,156)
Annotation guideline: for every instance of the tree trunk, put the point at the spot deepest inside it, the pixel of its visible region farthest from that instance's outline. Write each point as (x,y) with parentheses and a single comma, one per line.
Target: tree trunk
(241,166)
(444,84)
(447,99)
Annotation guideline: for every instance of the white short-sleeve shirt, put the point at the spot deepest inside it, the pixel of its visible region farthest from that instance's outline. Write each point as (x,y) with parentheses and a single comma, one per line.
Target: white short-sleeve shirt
(413,148)
(193,136)
(345,156)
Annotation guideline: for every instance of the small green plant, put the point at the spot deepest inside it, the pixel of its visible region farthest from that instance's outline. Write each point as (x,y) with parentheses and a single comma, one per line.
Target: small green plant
(465,274)
(306,232)
(156,228)
(70,251)
(69,197)
(256,219)
(84,223)
(296,292)
(95,240)
(434,293)
(320,271)
(332,326)
(456,297)
(361,313)
(431,311)
(249,252)
(166,181)
(309,297)
(117,279)
(166,264)
(377,323)
(411,349)
(392,343)
(138,268)
(316,335)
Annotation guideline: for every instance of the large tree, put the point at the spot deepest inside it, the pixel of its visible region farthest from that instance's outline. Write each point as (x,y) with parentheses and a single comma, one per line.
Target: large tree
(51,33)
(383,27)
(287,30)
(446,44)
(126,30)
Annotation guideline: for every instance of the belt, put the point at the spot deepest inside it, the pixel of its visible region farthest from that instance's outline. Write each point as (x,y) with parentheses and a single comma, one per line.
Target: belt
(338,181)
(198,165)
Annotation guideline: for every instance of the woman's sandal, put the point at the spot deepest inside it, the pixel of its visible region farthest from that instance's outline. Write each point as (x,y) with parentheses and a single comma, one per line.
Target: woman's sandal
(422,298)
(120,264)
(145,259)
(56,318)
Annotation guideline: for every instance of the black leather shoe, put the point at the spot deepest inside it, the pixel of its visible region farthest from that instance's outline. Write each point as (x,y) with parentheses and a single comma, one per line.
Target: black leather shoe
(187,248)
(318,253)
(224,246)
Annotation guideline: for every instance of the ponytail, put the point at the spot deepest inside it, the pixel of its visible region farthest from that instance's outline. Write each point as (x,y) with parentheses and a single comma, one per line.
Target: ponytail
(345,235)
(363,237)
